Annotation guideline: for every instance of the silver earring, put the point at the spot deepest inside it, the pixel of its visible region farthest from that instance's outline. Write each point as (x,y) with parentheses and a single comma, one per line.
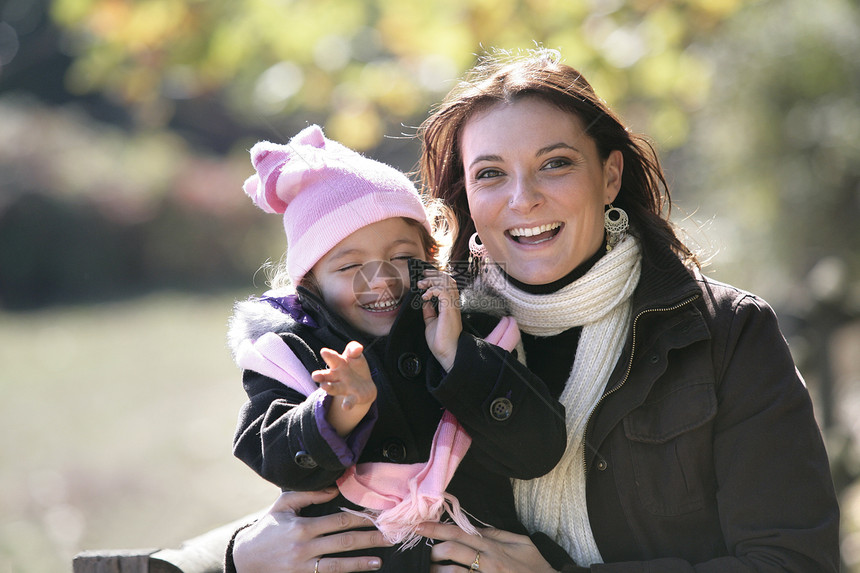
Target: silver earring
(616,223)
(476,247)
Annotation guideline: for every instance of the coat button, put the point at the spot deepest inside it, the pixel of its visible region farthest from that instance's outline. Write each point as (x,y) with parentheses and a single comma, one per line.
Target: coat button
(304,460)
(500,409)
(654,358)
(409,365)
(602,465)
(395,451)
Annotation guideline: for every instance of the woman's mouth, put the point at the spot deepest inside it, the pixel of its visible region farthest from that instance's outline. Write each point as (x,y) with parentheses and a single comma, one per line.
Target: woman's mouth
(534,235)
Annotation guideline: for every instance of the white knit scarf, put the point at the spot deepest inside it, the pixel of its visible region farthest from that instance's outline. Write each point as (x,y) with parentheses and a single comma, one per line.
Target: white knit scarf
(599,301)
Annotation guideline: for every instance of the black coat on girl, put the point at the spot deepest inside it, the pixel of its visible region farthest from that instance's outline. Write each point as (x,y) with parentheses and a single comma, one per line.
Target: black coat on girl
(517,429)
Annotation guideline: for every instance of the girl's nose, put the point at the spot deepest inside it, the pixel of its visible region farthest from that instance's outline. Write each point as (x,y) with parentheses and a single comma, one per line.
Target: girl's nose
(379,275)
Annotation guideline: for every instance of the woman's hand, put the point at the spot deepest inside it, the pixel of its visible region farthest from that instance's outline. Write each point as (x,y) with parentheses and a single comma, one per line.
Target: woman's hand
(500,551)
(443,323)
(284,542)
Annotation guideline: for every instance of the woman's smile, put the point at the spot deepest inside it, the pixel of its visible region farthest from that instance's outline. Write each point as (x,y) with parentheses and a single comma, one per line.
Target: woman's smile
(535,235)
(536,187)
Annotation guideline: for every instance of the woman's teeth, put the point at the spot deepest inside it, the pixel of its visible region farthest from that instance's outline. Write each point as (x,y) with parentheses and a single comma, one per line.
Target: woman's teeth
(528,232)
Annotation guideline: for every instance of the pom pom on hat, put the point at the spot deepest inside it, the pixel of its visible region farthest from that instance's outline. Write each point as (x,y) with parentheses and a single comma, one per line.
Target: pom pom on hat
(326,192)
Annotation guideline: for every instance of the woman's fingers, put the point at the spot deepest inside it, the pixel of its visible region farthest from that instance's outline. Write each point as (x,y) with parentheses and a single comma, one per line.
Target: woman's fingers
(347,541)
(293,501)
(500,551)
(348,564)
(457,545)
(436,568)
(459,553)
(283,541)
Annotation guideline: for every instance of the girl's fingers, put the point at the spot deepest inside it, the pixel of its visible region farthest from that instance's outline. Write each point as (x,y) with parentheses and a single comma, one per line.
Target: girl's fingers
(332,358)
(353,350)
(326,378)
(320,376)
(335,388)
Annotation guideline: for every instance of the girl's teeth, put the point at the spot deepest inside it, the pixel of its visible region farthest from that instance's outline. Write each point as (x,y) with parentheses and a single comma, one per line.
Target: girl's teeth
(384,305)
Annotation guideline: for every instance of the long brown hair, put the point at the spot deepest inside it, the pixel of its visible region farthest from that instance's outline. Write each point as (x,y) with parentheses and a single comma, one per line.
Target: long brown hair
(501,77)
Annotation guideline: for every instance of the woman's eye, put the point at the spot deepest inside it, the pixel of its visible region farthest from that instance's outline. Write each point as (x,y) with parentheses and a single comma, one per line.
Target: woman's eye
(556,163)
(488,173)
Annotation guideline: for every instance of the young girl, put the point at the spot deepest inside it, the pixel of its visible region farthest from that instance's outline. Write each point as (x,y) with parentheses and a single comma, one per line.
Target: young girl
(417,412)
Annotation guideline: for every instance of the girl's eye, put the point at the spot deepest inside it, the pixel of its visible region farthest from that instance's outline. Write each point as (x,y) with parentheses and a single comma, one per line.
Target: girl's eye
(404,259)
(346,268)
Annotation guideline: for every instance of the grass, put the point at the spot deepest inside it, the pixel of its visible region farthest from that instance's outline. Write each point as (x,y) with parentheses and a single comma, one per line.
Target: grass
(117,424)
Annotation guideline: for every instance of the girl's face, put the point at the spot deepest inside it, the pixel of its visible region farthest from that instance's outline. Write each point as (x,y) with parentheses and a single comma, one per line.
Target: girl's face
(536,187)
(365,277)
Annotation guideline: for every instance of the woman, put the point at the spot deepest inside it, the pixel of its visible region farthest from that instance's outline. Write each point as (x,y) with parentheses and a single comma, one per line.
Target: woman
(691,439)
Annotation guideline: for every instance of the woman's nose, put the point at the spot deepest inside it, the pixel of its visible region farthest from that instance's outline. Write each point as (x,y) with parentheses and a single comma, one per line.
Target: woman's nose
(525,195)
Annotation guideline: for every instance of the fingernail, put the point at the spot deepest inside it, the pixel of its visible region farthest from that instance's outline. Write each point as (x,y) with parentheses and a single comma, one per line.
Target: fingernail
(375,563)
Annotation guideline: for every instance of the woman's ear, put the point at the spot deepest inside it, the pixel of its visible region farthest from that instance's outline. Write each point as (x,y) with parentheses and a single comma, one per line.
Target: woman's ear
(613,168)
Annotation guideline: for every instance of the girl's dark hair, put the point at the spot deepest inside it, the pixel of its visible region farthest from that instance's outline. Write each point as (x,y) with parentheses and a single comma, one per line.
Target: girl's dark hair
(501,77)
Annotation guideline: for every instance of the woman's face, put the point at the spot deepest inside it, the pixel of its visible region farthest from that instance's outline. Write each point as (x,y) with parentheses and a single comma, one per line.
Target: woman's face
(536,187)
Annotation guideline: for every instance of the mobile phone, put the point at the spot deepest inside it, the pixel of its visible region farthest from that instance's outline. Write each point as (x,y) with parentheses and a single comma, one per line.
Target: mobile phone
(416,273)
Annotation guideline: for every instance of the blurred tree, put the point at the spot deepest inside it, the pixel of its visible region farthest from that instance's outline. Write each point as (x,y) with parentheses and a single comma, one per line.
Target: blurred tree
(365,68)
(775,151)
(765,89)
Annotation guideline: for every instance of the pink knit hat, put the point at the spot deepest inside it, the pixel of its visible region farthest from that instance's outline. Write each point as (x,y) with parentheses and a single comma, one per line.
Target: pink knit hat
(326,192)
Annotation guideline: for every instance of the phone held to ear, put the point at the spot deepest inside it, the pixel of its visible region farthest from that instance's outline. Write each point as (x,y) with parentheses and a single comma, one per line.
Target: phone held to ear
(416,273)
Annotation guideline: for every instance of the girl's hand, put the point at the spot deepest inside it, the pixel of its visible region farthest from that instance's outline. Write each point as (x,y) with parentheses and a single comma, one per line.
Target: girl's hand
(348,380)
(442,326)
(500,551)
(282,541)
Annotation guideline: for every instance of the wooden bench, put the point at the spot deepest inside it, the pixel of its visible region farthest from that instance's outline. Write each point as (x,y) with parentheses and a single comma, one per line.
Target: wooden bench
(201,554)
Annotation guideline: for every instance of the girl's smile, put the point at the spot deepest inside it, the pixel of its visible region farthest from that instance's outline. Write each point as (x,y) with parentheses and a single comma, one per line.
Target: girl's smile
(365,277)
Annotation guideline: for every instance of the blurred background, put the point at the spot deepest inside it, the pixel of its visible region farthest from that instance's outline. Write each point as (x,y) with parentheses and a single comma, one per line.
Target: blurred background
(125,237)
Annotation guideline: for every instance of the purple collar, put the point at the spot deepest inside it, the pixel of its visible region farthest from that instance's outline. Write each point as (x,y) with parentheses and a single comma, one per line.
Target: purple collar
(290,305)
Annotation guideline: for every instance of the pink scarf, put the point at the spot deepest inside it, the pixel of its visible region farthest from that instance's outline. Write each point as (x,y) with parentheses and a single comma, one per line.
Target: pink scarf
(398,497)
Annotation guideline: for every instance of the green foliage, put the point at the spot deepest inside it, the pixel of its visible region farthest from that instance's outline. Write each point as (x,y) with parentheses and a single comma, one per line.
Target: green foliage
(365,68)
(775,151)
